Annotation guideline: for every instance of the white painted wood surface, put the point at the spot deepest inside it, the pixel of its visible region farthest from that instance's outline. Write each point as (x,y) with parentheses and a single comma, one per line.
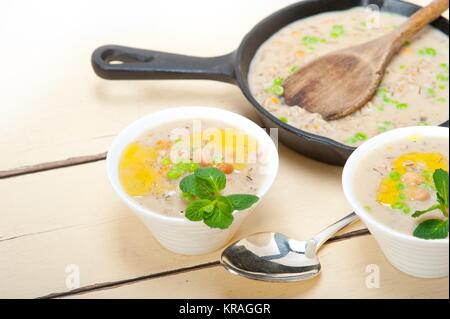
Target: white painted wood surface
(52,106)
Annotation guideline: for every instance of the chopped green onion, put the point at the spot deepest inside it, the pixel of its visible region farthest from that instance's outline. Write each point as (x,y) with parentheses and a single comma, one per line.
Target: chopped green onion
(431,92)
(395,176)
(358,137)
(166,161)
(278,90)
(361,136)
(312,40)
(383,90)
(283,119)
(278,81)
(277,87)
(442,77)
(397,206)
(401,206)
(174,173)
(337,31)
(387,99)
(428,51)
(401,106)
(444,66)
(422,123)
(293,69)
(191,167)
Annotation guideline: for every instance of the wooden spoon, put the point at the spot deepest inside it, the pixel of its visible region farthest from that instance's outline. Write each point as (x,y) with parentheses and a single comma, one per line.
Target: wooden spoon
(342,82)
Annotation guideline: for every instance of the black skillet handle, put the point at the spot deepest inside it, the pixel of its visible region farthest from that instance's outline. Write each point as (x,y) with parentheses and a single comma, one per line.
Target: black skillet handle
(115,62)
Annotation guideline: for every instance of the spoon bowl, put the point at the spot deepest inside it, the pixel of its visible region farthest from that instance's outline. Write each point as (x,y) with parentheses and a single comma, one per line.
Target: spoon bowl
(272,257)
(275,257)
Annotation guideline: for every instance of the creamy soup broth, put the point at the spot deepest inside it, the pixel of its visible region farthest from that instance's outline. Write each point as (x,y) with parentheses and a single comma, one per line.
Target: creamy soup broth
(383,181)
(147,163)
(414,90)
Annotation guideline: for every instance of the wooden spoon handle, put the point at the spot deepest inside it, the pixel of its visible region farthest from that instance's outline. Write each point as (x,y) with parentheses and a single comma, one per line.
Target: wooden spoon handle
(419,20)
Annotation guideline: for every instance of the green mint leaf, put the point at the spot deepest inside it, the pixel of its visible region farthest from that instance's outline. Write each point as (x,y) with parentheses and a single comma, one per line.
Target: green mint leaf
(203,189)
(440,178)
(196,187)
(432,229)
(419,213)
(187,185)
(214,176)
(242,201)
(222,216)
(196,210)
(225,205)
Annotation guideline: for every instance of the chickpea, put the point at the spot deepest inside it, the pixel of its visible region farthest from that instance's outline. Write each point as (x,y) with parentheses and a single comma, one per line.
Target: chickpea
(417,194)
(412,179)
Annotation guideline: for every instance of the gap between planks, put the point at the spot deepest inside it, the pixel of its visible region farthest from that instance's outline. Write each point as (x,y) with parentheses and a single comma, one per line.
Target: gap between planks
(42,167)
(118,283)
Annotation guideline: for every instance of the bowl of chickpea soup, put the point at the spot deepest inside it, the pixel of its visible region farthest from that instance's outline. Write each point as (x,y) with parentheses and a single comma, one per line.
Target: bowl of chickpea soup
(192,174)
(397,183)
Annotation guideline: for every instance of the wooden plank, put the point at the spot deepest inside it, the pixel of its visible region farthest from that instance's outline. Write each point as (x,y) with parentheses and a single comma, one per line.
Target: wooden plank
(71,216)
(345,273)
(56,108)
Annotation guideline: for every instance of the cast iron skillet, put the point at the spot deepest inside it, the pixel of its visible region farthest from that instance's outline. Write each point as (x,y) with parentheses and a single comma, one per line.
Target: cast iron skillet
(123,63)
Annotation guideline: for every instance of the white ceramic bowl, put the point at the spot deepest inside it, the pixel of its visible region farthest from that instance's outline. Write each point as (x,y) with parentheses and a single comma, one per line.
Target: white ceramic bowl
(414,256)
(177,233)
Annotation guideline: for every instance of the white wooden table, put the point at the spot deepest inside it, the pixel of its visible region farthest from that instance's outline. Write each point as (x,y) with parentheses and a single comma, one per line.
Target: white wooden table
(62,222)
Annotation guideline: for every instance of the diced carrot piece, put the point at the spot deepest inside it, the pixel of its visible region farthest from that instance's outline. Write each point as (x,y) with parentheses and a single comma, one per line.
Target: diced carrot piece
(275,100)
(300,54)
(163,144)
(226,168)
(406,51)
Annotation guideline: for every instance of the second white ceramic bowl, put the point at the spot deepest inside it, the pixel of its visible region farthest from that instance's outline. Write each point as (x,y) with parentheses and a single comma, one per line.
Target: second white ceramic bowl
(176,233)
(414,256)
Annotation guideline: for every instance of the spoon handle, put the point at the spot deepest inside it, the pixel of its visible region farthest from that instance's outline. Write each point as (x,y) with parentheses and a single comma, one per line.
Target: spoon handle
(419,20)
(328,232)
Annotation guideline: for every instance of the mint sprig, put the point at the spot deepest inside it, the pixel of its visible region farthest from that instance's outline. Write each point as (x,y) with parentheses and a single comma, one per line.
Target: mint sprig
(203,190)
(432,229)
(436,228)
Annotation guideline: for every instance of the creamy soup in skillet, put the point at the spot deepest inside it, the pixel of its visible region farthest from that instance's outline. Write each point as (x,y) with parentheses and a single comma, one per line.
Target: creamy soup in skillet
(398,180)
(152,166)
(414,91)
